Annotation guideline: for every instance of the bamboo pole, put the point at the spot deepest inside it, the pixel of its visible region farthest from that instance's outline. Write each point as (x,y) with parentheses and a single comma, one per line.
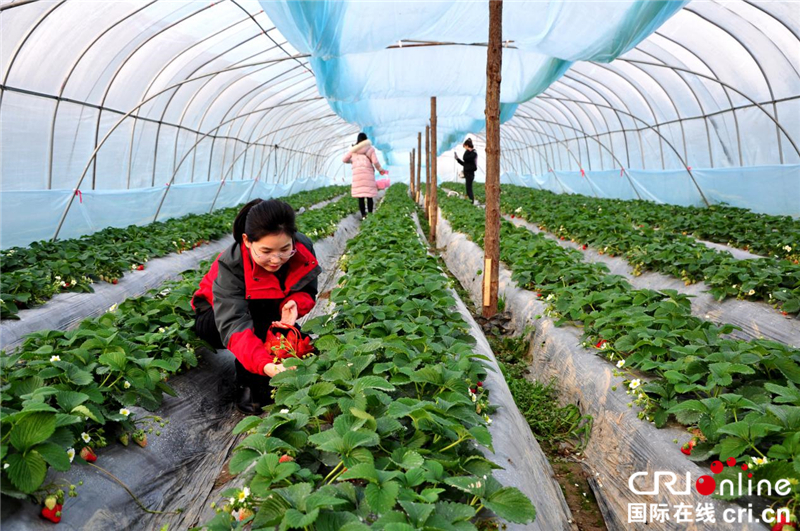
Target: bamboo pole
(427,170)
(412,156)
(419,163)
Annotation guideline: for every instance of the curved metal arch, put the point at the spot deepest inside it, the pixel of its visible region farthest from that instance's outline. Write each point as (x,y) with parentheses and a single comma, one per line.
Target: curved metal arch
(535,120)
(314,135)
(590,84)
(672,102)
(230,169)
(751,100)
(773,17)
(579,123)
(222,124)
(280,119)
(258,128)
(625,171)
(172,178)
(253,92)
(66,80)
(17,3)
(198,91)
(119,69)
(301,139)
(158,75)
(758,63)
(292,112)
(230,127)
(266,34)
(724,90)
(688,170)
(243,123)
(23,41)
(117,124)
(697,99)
(589,116)
(565,142)
(536,149)
(271,132)
(557,123)
(647,102)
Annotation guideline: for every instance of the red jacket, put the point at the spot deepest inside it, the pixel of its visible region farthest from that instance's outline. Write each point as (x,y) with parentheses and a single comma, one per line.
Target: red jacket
(234,280)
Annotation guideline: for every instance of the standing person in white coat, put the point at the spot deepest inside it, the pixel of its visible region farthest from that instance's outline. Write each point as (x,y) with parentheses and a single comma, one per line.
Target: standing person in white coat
(364,159)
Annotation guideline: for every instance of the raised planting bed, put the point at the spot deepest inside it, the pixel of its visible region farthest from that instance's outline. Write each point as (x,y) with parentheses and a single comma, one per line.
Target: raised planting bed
(692,371)
(379,429)
(775,281)
(80,382)
(32,275)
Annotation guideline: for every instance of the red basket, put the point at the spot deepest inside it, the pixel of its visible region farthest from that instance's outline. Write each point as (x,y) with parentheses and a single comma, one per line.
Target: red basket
(289,344)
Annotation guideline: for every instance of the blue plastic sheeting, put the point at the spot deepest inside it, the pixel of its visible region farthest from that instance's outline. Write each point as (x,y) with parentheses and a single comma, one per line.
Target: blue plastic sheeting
(766,189)
(387,91)
(28,216)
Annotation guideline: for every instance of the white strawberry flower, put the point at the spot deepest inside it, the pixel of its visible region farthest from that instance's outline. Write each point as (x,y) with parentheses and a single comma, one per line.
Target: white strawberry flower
(244,493)
(787,248)
(635,383)
(284,410)
(58,277)
(55,358)
(620,364)
(113,308)
(758,461)
(5,465)
(85,436)
(71,454)
(232,501)
(125,412)
(518,210)
(126,385)
(161,330)
(751,292)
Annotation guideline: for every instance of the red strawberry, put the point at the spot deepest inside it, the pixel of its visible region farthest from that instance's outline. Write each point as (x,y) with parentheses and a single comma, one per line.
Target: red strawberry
(686,450)
(54,514)
(600,343)
(140,268)
(784,313)
(563,238)
(88,454)
(286,458)
(114,281)
(539,294)
(66,284)
(479,384)
(244,514)
(782,524)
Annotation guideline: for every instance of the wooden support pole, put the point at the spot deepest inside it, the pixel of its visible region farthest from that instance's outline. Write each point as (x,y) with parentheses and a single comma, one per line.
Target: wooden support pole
(411,174)
(491,244)
(434,204)
(427,169)
(419,163)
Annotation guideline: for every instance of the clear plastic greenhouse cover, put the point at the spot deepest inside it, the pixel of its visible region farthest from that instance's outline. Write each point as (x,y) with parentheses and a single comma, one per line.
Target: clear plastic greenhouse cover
(108,109)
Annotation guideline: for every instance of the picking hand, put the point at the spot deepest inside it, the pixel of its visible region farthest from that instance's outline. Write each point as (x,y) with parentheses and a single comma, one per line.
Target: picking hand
(289,313)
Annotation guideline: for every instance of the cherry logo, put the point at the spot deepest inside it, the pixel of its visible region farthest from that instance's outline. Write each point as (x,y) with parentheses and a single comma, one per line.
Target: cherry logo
(706,485)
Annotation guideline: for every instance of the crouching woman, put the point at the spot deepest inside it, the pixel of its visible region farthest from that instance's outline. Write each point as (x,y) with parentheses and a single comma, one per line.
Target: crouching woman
(268,275)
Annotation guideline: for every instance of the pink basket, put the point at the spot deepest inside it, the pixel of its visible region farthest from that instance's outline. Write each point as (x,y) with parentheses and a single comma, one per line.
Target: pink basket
(383,183)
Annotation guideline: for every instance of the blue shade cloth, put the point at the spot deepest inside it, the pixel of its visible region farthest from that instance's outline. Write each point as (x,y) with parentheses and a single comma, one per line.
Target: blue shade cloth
(386,91)
(28,216)
(766,189)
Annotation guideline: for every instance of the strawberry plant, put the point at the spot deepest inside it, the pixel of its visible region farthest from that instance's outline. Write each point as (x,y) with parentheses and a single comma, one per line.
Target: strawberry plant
(32,275)
(381,425)
(607,225)
(63,391)
(741,396)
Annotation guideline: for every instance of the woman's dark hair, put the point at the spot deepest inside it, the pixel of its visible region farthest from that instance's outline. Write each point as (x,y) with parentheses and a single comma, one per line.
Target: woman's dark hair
(260,218)
(468,143)
(361,138)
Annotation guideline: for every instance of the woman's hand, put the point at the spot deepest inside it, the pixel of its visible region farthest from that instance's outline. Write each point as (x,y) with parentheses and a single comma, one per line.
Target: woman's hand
(271,369)
(289,313)
(384,172)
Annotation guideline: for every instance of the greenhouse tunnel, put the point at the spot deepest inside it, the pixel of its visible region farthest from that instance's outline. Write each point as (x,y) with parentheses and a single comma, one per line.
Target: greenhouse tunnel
(120,114)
